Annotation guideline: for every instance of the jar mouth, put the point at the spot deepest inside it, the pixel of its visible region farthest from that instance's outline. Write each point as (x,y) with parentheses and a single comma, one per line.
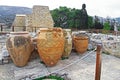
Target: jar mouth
(43,29)
(67,29)
(81,38)
(50,29)
(17,33)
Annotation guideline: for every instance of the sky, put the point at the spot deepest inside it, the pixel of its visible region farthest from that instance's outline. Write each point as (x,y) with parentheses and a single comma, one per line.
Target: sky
(103,8)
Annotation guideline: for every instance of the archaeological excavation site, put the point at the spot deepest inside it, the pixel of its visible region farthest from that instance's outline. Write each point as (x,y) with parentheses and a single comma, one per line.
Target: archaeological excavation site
(41,46)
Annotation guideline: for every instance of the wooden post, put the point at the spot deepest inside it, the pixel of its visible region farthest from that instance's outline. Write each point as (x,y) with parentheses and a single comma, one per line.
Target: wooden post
(1,28)
(13,28)
(35,29)
(98,63)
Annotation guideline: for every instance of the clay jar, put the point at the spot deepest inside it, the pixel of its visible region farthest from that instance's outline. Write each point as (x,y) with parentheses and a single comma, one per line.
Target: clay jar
(50,45)
(19,46)
(68,43)
(80,42)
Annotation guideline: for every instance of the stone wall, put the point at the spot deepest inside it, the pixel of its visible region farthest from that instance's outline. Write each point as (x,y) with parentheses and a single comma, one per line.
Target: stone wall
(28,21)
(40,18)
(20,28)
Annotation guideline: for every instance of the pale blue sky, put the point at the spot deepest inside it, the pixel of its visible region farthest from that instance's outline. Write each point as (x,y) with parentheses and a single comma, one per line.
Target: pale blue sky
(102,8)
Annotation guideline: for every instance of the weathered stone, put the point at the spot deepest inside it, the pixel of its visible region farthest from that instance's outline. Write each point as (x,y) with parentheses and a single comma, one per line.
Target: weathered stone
(28,79)
(5,52)
(90,46)
(28,22)
(19,28)
(19,22)
(42,17)
(5,61)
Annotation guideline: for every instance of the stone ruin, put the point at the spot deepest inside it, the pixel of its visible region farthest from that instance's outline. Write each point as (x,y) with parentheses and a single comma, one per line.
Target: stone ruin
(40,18)
(29,23)
(19,22)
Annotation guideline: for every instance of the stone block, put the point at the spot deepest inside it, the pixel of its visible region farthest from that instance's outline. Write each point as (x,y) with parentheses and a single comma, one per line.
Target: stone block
(19,20)
(28,23)
(5,61)
(19,23)
(28,20)
(29,29)
(19,28)
(41,17)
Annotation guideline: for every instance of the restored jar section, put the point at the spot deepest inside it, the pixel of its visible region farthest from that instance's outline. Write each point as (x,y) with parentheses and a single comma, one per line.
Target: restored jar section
(50,45)
(68,43)
(19,46)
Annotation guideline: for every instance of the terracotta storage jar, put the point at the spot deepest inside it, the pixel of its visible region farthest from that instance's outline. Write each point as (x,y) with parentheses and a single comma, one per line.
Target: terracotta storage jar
(19,46)
(50,45)
(80,43)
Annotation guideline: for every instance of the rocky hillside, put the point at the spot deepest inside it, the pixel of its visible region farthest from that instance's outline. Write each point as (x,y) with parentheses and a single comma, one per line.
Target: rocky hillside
(7,13)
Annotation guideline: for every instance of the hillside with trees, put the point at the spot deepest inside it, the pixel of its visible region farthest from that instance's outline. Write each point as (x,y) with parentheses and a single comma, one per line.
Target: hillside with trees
(7,13)
(63,17)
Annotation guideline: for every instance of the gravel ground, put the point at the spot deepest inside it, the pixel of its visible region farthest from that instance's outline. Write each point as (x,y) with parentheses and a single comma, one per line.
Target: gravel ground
(82,69)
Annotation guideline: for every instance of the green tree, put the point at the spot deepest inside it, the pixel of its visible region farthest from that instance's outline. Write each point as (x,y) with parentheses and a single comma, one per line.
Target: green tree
(106,26)
(60,16)
(90,22)
(55,16)
(68,18)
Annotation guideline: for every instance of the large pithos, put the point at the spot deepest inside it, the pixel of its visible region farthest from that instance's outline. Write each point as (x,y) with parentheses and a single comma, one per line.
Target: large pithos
(19,46)
(50,45)
(80,43)
(68,43)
